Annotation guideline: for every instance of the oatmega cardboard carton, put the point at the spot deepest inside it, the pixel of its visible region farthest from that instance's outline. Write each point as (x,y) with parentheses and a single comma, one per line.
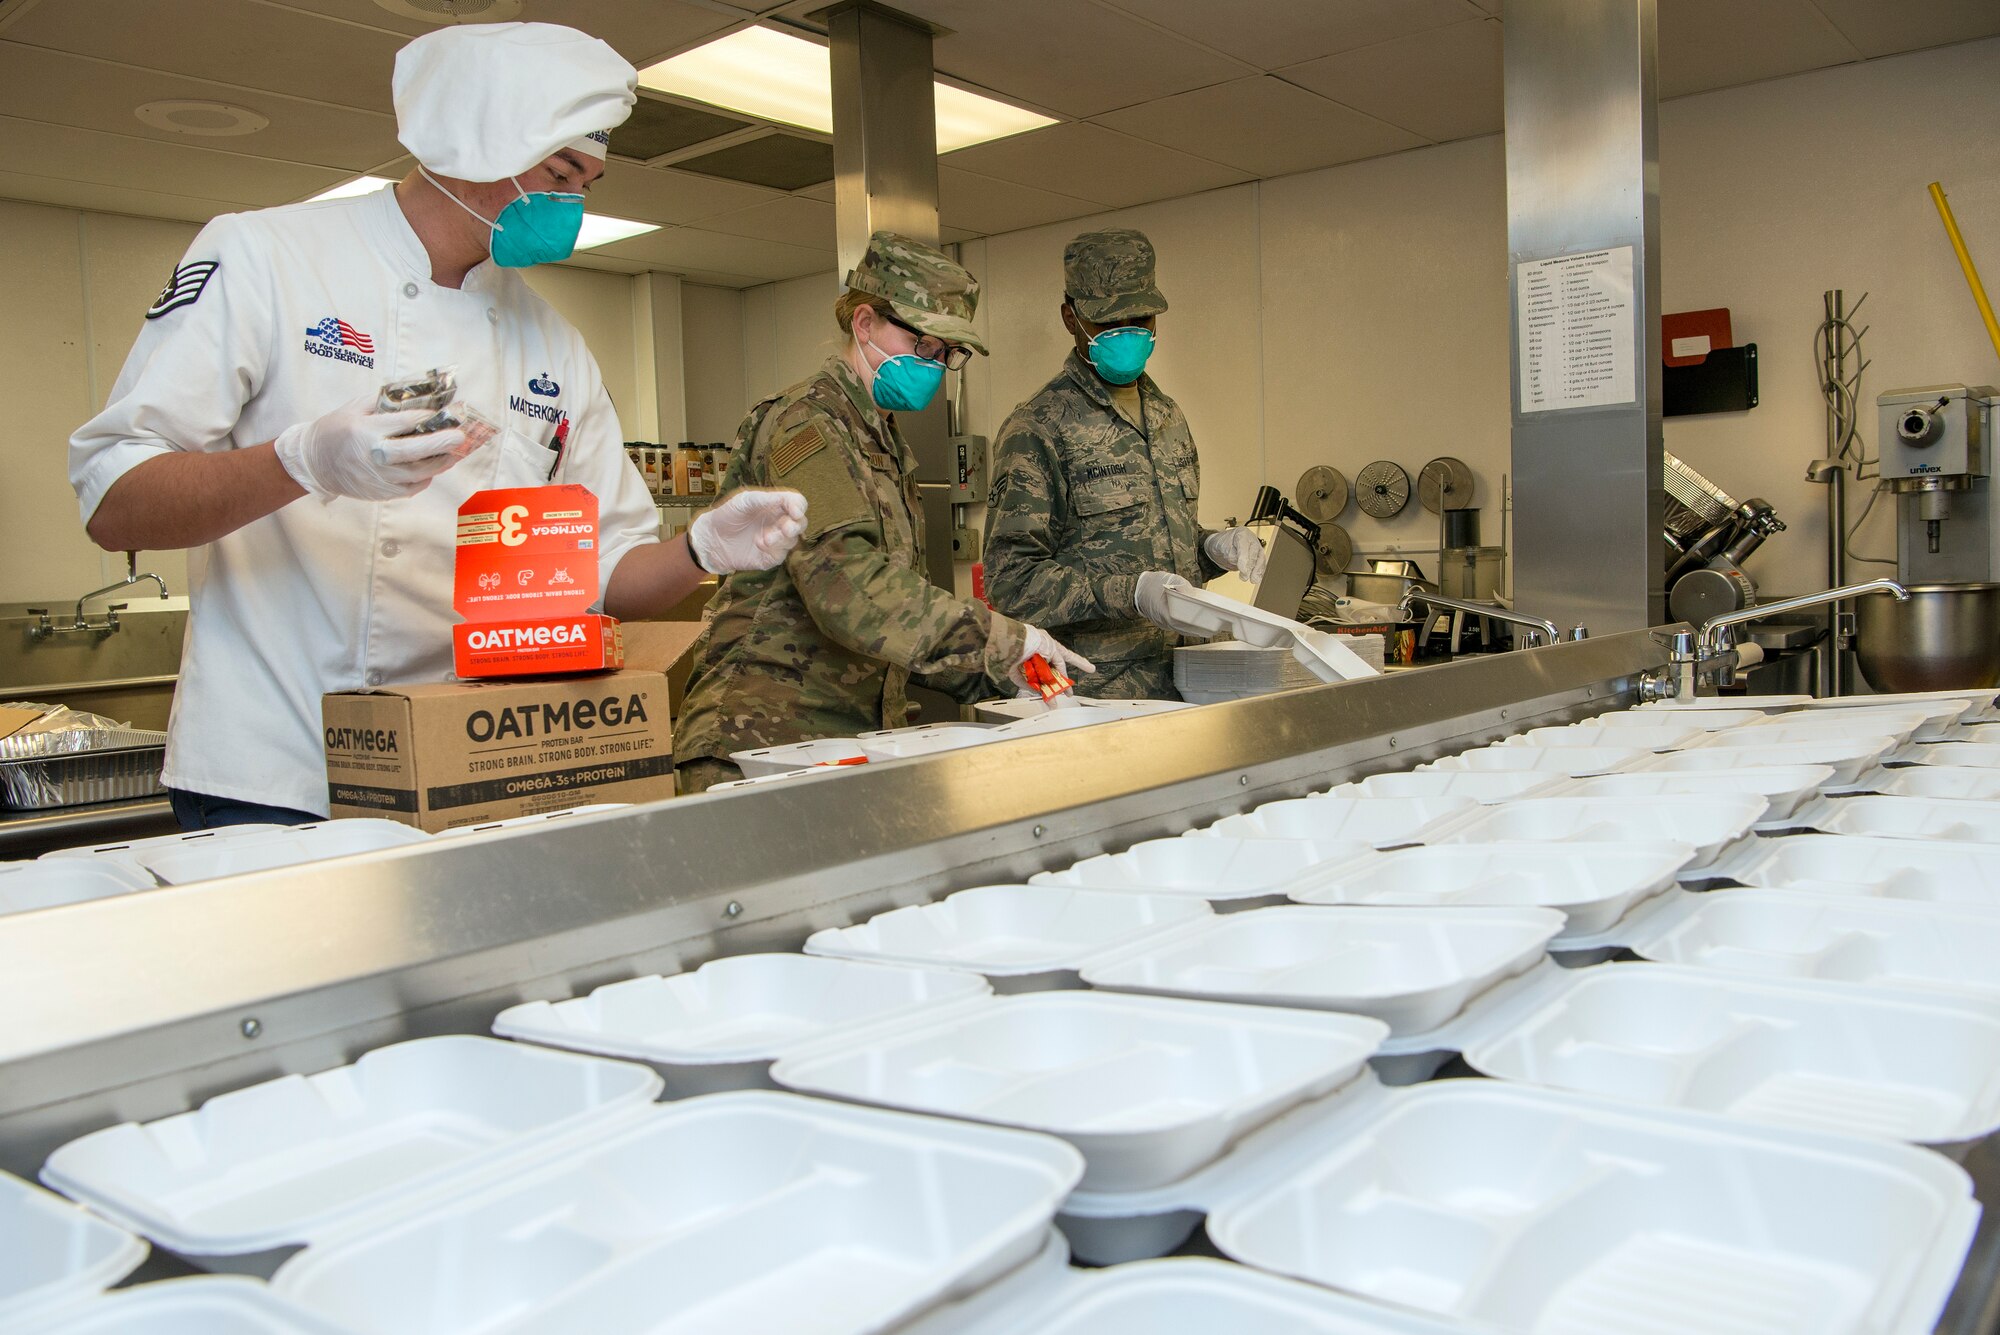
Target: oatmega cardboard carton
(441,754)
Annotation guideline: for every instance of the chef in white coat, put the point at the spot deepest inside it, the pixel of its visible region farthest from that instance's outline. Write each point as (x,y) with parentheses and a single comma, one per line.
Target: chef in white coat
(242,425)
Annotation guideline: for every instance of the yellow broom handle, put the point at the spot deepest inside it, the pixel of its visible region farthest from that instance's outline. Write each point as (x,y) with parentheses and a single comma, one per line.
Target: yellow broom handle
(1965,263)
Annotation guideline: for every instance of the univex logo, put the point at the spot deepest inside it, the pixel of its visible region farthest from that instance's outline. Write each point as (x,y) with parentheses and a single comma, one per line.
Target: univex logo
(361,739)
(552,717)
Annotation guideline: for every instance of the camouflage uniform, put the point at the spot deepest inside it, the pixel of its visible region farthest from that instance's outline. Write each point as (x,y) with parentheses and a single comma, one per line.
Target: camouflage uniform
(826,644)
(1085,499)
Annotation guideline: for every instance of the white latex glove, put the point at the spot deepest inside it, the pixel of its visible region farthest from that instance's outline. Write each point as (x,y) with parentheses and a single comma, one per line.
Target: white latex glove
(1237,549)
(1066,661)
(750,529)
(1150,596)
(348,452)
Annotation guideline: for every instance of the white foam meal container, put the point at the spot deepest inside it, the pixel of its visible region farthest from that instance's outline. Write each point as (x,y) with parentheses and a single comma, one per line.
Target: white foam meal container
(1848,759)
(1837,939)
(1707,824)
(1958,781)
(47,884)
(1783,787)
(1491,786)
(1147,1088)
(536,821)
(204,1305)
(1214,869)
(1651,735)
(751,1211)
(1177,1296)
(1411,968)
(930,740)
(1814,1055)
(1938,719)
(1362,822)
(1541,1210)
(1593,885)
(1568,761)
(1966,876)
(1009,711)
(1954,820)
(1983,704)
(299,1158)
(765,761)
(54,1253)
(1201,612)
(1023,937)
(283,846)
(722,1025)
(1716,715)
(1969,755)
(1884,733)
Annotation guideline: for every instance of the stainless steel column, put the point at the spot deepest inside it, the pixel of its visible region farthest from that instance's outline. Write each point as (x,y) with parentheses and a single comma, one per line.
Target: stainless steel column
(1583,176)
(884,128)
(885,179)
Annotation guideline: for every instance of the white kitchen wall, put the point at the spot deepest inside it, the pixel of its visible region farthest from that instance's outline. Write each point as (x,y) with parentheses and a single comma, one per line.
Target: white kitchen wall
(77,286)
(1360,312)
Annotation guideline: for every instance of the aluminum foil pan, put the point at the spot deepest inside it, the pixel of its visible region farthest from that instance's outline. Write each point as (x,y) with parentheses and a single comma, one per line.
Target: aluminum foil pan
(77,732)
(126,764)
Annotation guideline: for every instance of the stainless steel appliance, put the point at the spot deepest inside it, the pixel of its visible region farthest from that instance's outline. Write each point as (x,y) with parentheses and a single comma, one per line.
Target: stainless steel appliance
(1936,444)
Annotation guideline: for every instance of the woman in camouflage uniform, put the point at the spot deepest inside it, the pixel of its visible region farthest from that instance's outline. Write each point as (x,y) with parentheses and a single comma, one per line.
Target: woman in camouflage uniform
(826,644)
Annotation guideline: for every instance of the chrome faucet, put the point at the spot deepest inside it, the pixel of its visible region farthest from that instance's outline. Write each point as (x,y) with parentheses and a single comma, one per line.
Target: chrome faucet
(1546,629)
(1692,657)
(44,628)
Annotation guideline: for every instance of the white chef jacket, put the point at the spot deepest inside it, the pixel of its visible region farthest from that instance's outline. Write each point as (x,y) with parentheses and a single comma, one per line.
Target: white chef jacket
(305,308)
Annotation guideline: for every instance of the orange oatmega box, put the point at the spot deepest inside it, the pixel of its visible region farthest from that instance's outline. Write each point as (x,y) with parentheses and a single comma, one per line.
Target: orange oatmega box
(524,579)
(441,754)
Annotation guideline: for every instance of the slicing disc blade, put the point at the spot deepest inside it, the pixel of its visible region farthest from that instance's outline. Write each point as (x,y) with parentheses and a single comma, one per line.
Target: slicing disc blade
(1322,493)
(1333,551)
(1382,489)
(1445,484)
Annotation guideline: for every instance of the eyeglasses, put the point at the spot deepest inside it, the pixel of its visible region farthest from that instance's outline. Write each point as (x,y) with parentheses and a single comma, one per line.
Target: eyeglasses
(934,349)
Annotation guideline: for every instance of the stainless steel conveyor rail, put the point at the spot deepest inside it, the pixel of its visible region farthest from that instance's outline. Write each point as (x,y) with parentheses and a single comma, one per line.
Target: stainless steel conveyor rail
(144,1005)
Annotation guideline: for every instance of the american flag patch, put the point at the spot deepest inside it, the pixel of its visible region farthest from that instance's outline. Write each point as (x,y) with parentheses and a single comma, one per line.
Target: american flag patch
(794,450)
(184,288)
(337,331)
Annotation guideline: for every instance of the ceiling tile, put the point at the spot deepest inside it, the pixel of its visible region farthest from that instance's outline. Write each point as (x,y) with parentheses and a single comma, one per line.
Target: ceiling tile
(951,236)
(590,259)
(1073,57)
(238,42)
(1263,125)
(110,198)
(1879,29)
(776,161)
(1720,43)
(681,248)
(143,164)
(657,127)
(1270,33)
(43,85)
(1443,84)
(792,220)
(985,206)
(1090,162)
(662,195)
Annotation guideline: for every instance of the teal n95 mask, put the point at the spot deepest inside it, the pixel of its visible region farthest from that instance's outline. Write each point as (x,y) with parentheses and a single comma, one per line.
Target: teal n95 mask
(1119,355)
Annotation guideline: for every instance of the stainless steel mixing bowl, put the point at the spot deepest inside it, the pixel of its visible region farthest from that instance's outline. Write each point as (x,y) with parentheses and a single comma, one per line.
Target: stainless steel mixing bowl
(1946,637)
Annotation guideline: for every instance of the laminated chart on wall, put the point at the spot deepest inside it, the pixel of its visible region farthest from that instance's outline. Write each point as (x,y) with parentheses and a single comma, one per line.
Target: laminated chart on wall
(1575,330)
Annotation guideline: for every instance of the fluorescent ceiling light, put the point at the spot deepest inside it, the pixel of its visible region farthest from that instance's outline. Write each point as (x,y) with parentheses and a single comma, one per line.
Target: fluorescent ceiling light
(775,76)
(598,229)
(360,185)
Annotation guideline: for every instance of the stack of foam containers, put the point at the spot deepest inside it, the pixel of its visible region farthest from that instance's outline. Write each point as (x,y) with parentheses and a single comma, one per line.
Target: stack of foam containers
(456,1184)
(178,859)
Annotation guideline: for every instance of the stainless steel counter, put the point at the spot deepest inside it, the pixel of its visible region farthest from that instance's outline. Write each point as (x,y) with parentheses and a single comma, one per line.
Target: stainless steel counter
(27,834)
(144,1005)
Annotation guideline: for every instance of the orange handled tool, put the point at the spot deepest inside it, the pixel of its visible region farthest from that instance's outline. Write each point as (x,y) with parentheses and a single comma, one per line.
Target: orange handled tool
(1045,679)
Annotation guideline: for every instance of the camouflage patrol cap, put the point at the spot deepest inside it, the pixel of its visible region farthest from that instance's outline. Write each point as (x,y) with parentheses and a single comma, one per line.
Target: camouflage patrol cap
(1108,275)
(922,285)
